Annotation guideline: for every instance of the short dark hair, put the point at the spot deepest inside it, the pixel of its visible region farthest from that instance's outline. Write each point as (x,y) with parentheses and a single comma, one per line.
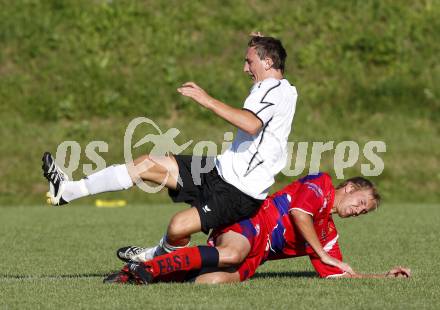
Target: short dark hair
(361,183)
(270,47)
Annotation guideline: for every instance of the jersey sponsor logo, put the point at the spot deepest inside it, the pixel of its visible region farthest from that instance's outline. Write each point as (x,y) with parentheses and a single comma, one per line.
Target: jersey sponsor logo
(315,188)
(206,209)
(257,229)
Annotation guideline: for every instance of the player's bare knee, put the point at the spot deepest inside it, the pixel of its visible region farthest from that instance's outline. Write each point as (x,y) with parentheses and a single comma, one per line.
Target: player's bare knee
(184,224)
(177,228)
(173,232)
(141,159)
(235,258)
(148,168)
(229,256)
(140,168)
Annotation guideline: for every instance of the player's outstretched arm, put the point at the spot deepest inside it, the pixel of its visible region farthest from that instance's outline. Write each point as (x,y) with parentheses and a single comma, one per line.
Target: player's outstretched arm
(396,272)
(241,119)
(304,223)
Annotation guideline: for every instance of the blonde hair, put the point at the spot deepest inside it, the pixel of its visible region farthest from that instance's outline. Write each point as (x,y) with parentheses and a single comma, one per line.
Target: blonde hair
(361,183)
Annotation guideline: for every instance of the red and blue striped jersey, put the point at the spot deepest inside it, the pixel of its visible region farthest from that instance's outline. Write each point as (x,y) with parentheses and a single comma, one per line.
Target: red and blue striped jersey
(314,195)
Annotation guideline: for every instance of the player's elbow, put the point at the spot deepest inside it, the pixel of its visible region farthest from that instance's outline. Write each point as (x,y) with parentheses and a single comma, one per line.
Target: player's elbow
(253,131)
(253,128)
(300,217)
(253,124)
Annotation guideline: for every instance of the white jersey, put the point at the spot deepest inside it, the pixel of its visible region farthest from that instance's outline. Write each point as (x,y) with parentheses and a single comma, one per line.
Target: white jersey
(252,161)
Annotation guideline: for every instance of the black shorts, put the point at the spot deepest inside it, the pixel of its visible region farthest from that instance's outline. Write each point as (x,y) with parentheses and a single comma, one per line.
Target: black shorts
(218,202)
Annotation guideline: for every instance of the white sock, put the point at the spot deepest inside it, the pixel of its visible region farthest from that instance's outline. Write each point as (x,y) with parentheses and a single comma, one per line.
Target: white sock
(110,179)
(74,190)
(164,247)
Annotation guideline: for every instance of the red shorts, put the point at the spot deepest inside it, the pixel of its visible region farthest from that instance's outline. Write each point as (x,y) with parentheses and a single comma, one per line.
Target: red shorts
(254,231)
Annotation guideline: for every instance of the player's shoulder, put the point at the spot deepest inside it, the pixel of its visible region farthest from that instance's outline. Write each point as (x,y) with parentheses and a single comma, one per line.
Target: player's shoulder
(269,83)
(320,183)
(319,177)
(313,181)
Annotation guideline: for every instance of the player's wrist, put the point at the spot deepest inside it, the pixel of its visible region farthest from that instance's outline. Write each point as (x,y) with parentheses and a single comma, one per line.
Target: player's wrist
(210,103)
(323,255)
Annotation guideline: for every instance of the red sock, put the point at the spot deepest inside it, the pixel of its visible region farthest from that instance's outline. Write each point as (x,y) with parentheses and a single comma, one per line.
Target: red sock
(183,260)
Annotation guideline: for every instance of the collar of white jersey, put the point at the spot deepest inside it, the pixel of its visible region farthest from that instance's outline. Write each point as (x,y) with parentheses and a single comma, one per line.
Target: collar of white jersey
(258,84)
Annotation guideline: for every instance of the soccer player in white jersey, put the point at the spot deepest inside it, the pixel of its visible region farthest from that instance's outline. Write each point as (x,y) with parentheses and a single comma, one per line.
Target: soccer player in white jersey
(241,177)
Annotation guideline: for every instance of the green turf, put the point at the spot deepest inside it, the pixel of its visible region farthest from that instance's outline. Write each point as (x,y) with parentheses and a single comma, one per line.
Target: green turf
(57,258)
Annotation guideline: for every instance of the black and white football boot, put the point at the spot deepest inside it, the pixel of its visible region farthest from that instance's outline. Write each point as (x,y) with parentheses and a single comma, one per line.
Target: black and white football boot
(56,178)
(136,254)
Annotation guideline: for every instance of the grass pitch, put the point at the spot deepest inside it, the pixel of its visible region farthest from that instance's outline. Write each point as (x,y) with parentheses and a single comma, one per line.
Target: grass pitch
(57,258)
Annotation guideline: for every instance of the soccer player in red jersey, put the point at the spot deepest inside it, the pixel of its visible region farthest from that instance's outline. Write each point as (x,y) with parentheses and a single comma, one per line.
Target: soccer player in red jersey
(295,221)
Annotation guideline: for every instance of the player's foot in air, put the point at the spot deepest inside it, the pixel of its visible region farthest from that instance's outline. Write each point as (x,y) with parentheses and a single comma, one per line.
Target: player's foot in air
(56,178)
(136,254)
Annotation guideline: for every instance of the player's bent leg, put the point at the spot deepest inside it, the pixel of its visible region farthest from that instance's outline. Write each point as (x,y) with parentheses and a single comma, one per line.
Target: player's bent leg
(183,260)
(158,169)
(182,225)
(139,254)
(233,248)
(62,191)
(218,277)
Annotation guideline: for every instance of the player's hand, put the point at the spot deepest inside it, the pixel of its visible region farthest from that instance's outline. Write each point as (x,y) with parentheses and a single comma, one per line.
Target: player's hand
(195,92)
(327,259)
(399,272)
